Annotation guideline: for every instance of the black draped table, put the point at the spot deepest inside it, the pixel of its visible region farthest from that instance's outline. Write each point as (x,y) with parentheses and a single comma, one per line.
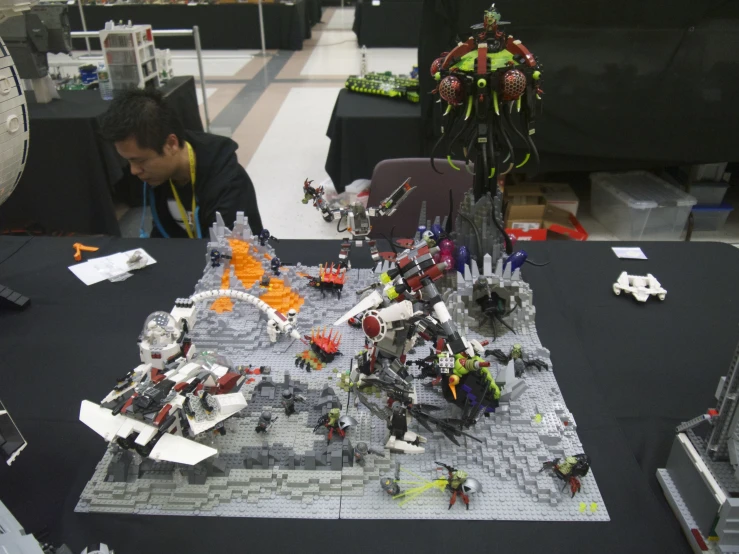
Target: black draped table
(222,26)
(364,130)
(629,372)
(70,173)
(388,23)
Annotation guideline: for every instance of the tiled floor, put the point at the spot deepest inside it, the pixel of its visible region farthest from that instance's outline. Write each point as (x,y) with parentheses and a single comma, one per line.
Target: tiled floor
(277,108)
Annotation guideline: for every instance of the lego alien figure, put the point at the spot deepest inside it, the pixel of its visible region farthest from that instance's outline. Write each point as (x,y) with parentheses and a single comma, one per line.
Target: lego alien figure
(356,217)
(569,470)
(329,279)
(323,349)
(460,484)
(335,423)
(490,87)
(520,363)
(265,422)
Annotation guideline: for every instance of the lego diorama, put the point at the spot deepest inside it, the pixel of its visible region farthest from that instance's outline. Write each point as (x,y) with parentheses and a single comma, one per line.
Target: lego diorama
(418,389)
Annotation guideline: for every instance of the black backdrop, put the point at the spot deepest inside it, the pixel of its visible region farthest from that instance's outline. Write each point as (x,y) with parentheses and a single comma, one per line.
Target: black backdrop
(643,82)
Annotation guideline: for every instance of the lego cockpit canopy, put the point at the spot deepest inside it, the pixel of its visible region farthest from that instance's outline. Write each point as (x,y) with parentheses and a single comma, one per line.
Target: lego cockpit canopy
(160,329)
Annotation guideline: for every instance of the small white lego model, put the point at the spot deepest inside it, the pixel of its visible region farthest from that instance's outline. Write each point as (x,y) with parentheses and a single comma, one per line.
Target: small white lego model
(640,287)
(272,331)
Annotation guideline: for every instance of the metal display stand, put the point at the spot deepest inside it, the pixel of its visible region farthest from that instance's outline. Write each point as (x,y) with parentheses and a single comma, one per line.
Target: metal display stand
(194,33)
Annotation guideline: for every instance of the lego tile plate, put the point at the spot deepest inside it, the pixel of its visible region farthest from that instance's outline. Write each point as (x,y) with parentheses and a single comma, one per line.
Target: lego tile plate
(292,472)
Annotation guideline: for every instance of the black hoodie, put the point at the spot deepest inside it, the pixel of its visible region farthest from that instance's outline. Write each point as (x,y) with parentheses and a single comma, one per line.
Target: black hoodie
(221,185)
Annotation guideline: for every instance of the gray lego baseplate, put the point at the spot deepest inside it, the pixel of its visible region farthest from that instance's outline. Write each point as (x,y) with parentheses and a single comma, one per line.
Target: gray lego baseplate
(290,472)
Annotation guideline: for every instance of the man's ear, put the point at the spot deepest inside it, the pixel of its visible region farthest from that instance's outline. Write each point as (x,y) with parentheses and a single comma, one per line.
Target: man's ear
(171,145)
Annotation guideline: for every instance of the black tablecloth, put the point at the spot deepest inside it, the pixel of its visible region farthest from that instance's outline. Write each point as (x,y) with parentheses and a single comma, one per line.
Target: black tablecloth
(388,24)
(644,85)
(222,26)
(313,12)
(364,130)
(66,186)
(629,372)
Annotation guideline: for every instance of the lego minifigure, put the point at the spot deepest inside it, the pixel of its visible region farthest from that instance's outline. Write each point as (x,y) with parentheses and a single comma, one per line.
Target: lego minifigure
(272,331)
(265,236)
(275,265)
(265,422)
(292,316)
(459,484)
(362,450)
(288,401)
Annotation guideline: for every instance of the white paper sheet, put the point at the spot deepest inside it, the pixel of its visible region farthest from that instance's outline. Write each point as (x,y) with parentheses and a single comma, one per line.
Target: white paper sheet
(100,269)
(629,252)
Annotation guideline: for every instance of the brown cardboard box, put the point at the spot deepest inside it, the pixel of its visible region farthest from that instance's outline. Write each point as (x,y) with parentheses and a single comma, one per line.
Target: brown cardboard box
(525,217)
(525,194)
(560,195)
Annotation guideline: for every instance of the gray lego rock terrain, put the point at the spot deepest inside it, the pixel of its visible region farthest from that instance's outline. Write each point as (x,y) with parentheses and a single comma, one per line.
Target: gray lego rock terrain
(291,472)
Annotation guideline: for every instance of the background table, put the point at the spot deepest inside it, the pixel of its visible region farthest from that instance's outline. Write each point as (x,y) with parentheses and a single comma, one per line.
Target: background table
(71,172)
(364,130)
(629,372)
(222,26)
(391,23)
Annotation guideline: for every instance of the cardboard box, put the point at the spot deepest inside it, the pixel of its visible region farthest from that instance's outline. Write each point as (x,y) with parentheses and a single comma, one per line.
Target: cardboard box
(560,195)
(562,222)
(525,194)
(525,217)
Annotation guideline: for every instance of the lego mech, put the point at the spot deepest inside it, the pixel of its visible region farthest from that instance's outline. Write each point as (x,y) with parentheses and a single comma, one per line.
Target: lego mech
(569,470)
(356,217)
(265,422)
(288,401)
(335,423)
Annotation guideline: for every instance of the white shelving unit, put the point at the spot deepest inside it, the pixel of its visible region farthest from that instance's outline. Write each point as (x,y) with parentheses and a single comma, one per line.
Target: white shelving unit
(130,56)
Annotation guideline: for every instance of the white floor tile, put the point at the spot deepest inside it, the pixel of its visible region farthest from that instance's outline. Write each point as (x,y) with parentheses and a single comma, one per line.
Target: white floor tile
(337,53)
(227,64)
(208,92)
(293,149)
(343,19)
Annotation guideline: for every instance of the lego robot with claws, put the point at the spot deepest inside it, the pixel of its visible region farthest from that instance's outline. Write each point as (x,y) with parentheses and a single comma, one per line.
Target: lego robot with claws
(356,218)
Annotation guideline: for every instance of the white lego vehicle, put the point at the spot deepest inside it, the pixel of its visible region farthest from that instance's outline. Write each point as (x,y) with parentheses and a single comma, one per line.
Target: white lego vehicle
(639,287)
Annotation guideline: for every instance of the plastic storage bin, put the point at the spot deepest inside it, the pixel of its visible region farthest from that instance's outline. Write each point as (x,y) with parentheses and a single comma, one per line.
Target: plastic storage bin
(709,193)
(710,218)
(639,205)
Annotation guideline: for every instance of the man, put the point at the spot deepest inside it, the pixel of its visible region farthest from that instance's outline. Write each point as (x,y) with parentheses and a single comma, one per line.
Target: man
(190,175)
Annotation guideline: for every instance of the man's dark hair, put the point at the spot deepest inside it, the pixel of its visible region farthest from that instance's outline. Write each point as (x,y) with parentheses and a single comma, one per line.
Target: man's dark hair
(145,115)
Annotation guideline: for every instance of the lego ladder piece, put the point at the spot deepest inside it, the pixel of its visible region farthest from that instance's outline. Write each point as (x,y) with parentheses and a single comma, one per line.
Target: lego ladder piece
(224,303)
(13,300)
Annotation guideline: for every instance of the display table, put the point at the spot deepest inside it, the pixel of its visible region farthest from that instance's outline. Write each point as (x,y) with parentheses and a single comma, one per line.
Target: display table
(70,173)
(364,130)
(391,23)
(629,373)
(222,26)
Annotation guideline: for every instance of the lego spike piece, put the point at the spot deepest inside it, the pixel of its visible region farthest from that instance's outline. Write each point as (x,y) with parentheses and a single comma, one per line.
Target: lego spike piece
(451,163)
(448,109)
(495,102)
(469,108)
(518,104)
(525,160)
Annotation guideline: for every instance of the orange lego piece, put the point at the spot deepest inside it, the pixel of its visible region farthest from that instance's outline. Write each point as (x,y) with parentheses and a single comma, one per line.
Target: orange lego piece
(224,303)
(79,247)
(250,271)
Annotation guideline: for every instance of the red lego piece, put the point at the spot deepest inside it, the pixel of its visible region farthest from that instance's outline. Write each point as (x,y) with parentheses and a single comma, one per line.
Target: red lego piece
(156,375)
(162,415)
(227,382)
(482,59)
(699,539)
(179,386)
(712,412)
(128,403)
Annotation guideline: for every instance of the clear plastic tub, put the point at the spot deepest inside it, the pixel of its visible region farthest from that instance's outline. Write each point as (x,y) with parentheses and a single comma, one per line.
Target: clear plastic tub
(710,218)
(639,205)
(709,193)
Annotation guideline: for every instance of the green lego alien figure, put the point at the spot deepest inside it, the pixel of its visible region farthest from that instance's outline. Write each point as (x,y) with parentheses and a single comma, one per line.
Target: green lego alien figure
(335,423)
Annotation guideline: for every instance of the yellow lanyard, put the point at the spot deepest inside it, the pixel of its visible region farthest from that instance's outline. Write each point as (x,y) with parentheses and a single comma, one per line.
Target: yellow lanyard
(183,213)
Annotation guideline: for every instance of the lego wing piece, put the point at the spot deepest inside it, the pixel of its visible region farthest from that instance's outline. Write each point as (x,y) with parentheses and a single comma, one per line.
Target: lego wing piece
(228,405)
(170,448)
